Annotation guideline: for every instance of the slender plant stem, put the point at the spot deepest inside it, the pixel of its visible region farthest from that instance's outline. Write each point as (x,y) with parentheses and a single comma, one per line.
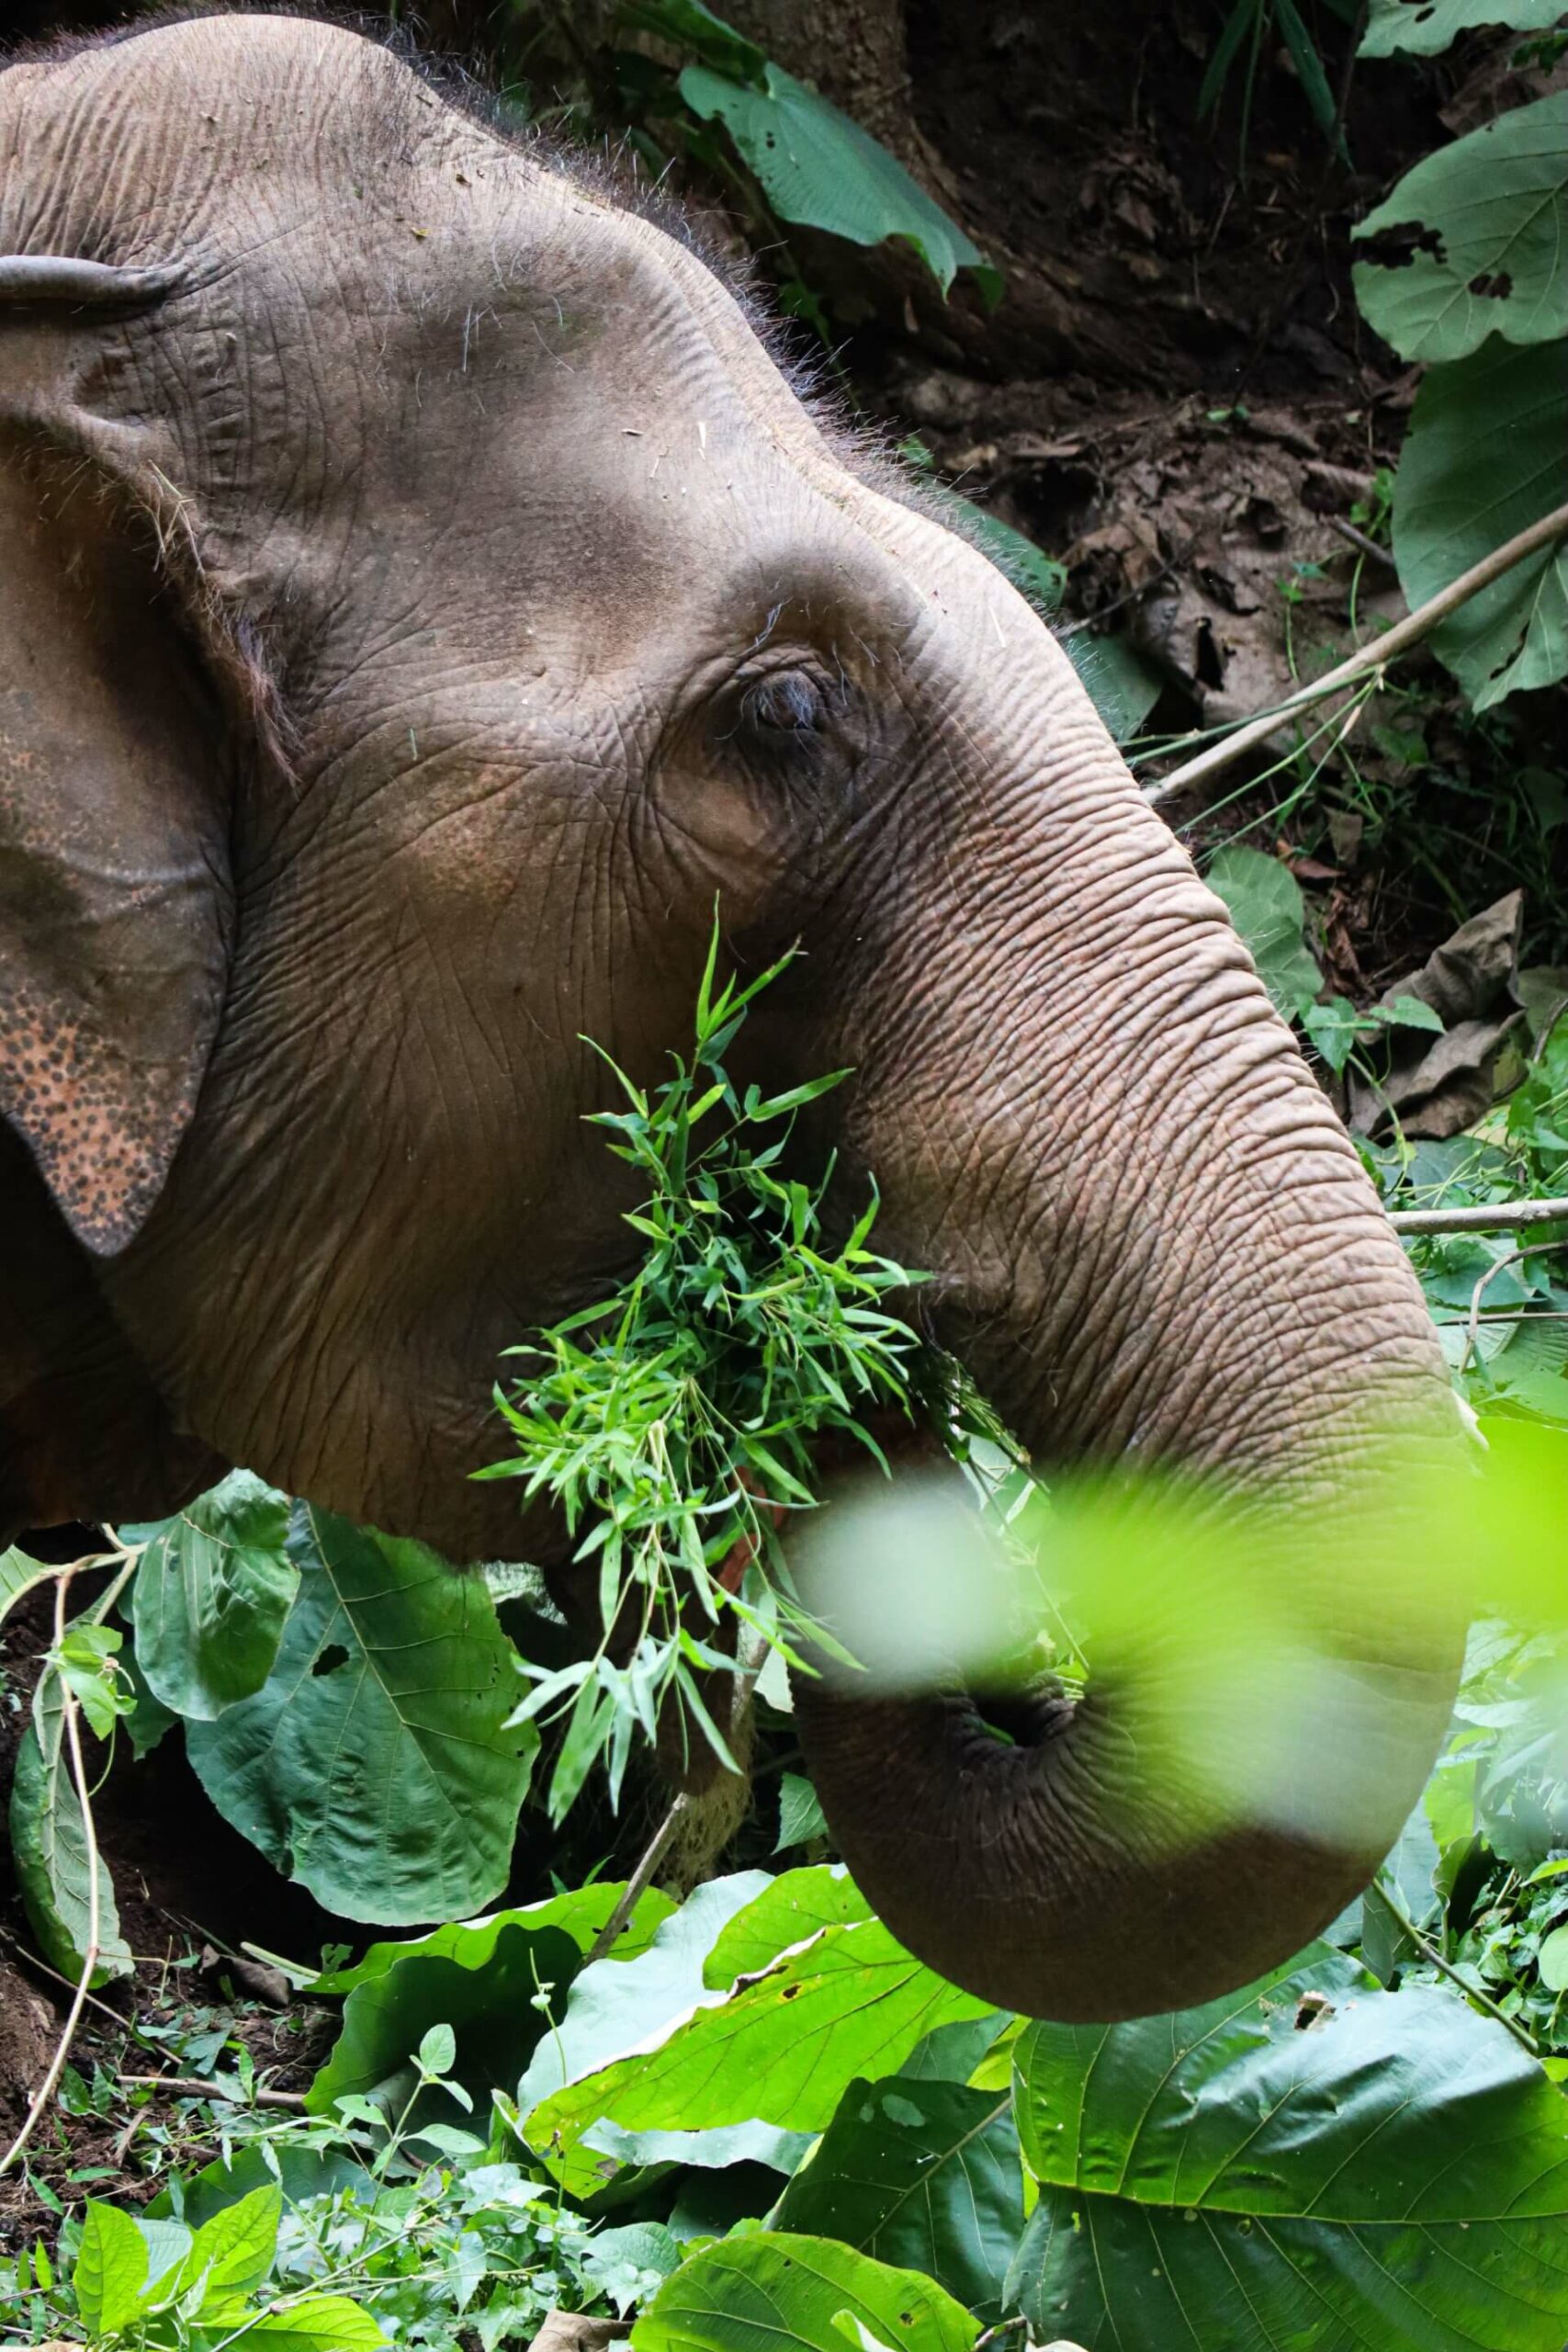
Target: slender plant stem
(1392,1896)
(640,1880)
(748,1667)
(46,2089)
(1371,660)
(1503,1218)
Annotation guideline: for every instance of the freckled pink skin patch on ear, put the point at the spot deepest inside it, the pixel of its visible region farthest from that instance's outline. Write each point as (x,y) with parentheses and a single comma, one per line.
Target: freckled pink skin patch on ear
(104,1152)
(113,896)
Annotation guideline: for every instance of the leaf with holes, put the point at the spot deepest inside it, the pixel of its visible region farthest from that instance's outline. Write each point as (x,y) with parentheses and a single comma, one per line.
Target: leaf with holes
(1470,242)
(779,2047)
(1425,28)
(212,1594)
(1309,2163)
(818,167)
(741,1921)
(768,2291)
(924,2174)
(1486,455)
(375,1764)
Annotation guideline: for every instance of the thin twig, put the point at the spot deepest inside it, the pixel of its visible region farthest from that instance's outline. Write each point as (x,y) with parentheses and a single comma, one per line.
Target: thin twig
(1359,541)
(640,1880)
(1394,1896)
(1495,1317)
(46,2089)
(1472,1320)
(1371,658)
(128,2026)
(193,2087)
(1506,1217)
(748,1667)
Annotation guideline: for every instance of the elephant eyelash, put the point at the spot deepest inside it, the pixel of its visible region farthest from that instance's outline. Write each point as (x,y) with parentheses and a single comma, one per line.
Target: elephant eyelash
(786,702)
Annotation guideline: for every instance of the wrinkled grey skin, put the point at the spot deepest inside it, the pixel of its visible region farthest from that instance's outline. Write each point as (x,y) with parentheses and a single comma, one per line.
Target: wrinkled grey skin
(421,593)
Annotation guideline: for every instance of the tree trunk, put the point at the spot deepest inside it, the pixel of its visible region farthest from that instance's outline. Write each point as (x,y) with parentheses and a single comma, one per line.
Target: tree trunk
(856,53)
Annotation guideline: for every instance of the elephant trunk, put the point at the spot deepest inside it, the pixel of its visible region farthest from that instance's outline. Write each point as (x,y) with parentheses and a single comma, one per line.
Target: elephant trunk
(1152,1244)
(1081,1868)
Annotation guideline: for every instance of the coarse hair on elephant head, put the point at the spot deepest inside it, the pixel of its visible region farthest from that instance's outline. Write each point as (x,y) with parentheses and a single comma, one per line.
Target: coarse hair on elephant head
(422,592)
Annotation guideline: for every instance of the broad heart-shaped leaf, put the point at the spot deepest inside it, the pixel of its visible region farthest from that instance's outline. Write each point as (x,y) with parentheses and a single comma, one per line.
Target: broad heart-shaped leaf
(1473,241)
(374,1765)
(770,2292)
(924,2174)
(780,2047)
(615,2006)
(1425,28)
(1310,2164)
(819,168)
(212,1594)
(48,1849)
(482,1981)
(1265,903)
(1485,457)
(582,1913)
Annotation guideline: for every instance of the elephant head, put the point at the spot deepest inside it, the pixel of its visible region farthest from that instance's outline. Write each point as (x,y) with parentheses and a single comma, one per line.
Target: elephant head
(422,592)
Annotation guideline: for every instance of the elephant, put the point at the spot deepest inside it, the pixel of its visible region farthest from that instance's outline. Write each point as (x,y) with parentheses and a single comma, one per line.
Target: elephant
(427,590)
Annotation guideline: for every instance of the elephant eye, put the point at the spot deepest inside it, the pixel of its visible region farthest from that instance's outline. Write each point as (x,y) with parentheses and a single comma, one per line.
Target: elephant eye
(783,704)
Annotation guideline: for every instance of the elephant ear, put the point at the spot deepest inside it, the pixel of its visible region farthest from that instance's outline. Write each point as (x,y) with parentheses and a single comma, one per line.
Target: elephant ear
(114,891)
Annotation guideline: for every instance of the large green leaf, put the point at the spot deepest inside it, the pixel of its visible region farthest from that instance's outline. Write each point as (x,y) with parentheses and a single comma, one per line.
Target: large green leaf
(1474,239)
(48,1849)
(1311,2164)
(768,2293)
(374,1765)
(490,2008)
(924,2174)
(787,1910)
(1425,28)
(782,2047)
(1486,455)
(1264,902)
(212,1595)
(819,168)
(483,1980)
(582,1912)
(614,2008)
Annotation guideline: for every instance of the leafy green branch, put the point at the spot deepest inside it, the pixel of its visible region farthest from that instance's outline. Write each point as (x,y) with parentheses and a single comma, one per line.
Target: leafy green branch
(673,1422)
